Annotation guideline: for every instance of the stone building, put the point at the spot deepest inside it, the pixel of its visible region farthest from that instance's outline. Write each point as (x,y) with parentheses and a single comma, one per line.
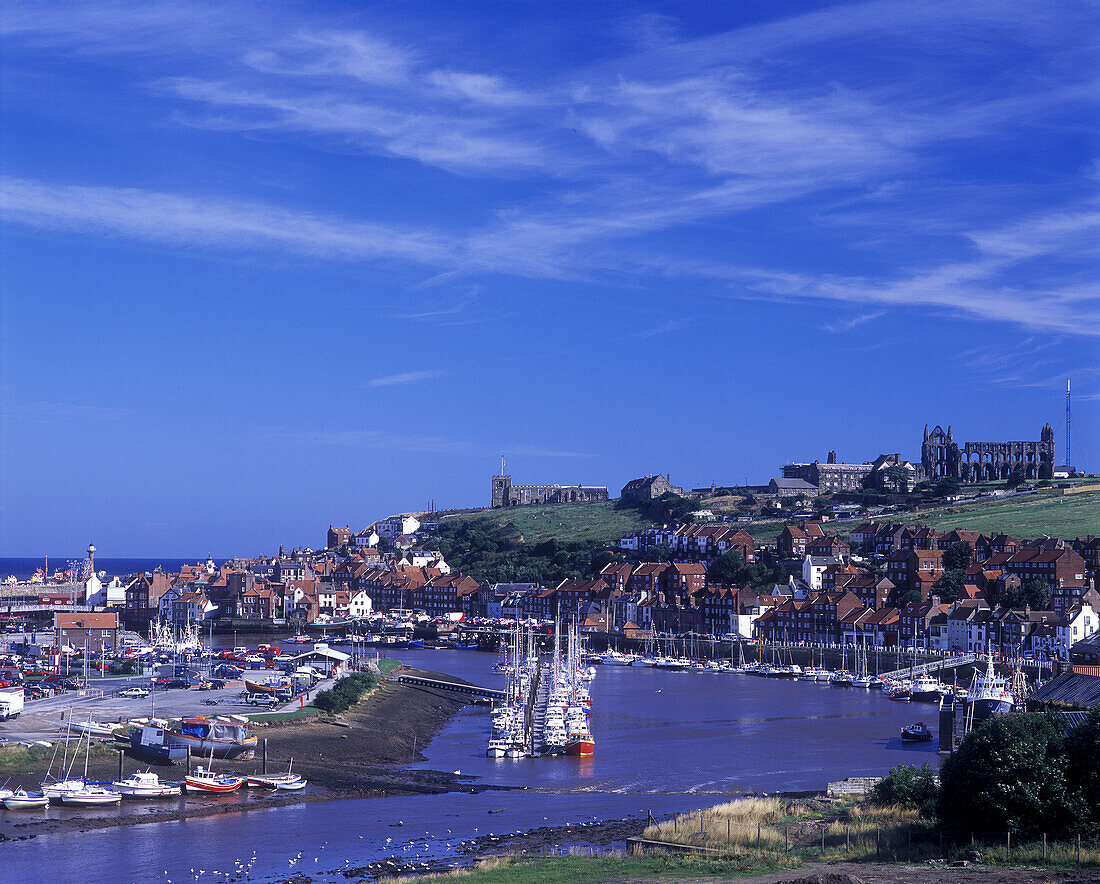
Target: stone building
(942,456)
(507,494)
(829,476)
(649,488)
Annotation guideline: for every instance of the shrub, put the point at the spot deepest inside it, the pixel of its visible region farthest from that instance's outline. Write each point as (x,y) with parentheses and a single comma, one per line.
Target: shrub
(345,693)
(908,786)
(1009,774)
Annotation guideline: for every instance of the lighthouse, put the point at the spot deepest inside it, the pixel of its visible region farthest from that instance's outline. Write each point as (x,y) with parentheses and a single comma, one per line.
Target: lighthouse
(91,558)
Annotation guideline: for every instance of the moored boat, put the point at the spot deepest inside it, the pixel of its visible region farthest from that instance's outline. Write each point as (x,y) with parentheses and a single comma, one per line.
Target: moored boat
(150,743)
(203,780)
(989,694)
(146,784)
(201,736)
(916,733)
(21,799)
(91,795)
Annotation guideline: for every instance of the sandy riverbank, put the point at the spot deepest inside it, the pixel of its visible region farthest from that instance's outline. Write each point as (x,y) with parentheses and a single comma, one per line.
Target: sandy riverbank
(385,733)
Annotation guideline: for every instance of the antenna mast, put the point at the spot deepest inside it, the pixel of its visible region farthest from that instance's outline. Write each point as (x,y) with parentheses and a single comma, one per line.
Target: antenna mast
(1069,460)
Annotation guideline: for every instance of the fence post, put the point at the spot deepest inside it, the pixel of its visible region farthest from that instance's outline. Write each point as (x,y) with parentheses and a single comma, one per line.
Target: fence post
(822,840)
(1044,846)
(1008,844)
(847,838)
(942,856)
(787,843)
(728,839)
(909,848)
(758,836)
(650,812)
(1078,848)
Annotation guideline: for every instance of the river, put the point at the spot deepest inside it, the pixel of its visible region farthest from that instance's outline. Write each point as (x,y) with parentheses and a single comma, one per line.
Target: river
(666,742)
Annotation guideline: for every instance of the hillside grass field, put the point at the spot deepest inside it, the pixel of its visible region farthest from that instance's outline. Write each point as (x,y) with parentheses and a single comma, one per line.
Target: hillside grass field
(603,523)
(1023,517)
(589,523)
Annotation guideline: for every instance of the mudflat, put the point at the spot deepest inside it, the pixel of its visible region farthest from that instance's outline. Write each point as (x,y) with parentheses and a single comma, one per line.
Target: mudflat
(363,756)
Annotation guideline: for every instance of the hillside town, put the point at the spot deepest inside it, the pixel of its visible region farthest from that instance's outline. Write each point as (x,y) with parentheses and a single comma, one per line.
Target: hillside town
(886,584)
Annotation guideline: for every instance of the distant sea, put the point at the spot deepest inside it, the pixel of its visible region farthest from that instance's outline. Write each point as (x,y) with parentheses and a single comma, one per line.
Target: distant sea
(24,568)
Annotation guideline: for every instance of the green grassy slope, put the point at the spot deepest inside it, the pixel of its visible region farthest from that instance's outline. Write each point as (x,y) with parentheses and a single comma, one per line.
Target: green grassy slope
(590,523)
(1026,517)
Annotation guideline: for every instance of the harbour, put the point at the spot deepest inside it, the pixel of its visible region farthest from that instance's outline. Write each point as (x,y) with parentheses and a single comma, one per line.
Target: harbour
(727,734)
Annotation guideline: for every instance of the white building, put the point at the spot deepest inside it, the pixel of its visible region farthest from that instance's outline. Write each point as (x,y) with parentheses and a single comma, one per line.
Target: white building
(397,526)
(814,567)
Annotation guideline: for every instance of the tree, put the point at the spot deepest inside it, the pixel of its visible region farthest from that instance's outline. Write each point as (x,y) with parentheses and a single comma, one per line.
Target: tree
(1009,774)
(1083,752)
(1035,593)
(1016,477)
(897,476)
(910,597)
(909,786)
(945,486)
(950,585)
(822,507)
(727,568)
(957,556)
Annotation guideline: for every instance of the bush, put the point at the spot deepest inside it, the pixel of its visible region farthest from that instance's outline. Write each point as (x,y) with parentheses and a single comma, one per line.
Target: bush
(1009,774)
(908,786)
(345,693)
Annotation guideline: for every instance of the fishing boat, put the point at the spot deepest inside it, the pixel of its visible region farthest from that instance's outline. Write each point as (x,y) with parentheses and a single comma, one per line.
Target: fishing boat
(299,639)
(151,743)
(579,741)
(205,780)
(146,784)
(926,689)
(989,694)
(916,733)
(21,799)
(201,736)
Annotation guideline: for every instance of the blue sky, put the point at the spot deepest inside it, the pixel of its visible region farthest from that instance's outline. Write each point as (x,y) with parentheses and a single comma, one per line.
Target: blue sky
(270,266)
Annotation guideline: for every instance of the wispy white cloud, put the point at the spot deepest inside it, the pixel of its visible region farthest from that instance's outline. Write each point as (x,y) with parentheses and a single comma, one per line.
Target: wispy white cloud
(683,132)
(406,377)
(854,322)
(212,222)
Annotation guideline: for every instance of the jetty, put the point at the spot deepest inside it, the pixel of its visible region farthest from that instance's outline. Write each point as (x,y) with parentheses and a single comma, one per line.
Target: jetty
(455,687)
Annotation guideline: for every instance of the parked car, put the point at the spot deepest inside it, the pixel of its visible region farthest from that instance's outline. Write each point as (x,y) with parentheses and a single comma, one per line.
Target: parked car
(256,699)
(136,693)
(227,671)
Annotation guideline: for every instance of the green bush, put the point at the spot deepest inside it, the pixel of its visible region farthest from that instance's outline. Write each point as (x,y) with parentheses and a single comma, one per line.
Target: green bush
(1010,774)
(345,693)
(908,786)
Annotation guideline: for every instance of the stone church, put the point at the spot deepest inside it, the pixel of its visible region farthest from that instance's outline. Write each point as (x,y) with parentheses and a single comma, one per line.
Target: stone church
(507,494)
(941,456)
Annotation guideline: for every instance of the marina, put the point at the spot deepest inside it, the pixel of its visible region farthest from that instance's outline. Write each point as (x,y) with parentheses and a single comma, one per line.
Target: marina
(729,735)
